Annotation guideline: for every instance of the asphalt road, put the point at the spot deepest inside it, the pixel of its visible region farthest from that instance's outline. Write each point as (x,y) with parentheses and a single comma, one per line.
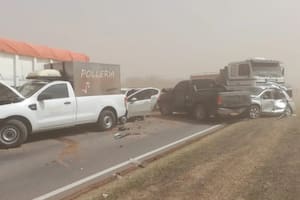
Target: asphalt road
(54,159)
(249,160)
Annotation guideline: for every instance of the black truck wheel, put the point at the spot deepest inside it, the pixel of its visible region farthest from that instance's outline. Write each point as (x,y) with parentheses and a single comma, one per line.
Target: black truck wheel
(200,113)
(13,133)
(107,120)
(165,109)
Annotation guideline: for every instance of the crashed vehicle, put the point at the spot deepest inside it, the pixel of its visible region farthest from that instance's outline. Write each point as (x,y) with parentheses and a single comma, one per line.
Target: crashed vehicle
(63,95)
(129,91)
(140,101)
(270,101)
(203,98)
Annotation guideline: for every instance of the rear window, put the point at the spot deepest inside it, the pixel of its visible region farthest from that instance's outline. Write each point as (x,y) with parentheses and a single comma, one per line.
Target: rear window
(203,84)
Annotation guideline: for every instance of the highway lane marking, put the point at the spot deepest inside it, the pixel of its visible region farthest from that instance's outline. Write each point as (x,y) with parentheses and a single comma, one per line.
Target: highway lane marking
(123,164)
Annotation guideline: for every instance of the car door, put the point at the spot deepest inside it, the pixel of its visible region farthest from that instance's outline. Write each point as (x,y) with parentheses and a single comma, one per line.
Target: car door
(280,101)
(139,103)
(154,97)
(55,107)
(267,101)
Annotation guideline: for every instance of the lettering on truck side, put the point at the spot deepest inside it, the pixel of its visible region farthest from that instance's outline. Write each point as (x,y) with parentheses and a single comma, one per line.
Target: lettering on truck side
(107,74)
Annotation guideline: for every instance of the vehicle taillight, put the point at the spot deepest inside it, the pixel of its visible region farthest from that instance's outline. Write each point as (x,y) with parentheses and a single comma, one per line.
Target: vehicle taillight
(219,100)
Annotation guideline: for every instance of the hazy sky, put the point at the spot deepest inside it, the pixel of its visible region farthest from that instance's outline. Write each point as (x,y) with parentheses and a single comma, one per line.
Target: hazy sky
(168,38)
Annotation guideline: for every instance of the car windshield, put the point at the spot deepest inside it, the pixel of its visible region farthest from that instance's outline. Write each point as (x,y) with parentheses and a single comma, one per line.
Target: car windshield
(266,69)
(28,89)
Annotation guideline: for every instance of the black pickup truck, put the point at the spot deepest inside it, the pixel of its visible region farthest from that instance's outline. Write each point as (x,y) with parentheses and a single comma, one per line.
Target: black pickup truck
(203,98)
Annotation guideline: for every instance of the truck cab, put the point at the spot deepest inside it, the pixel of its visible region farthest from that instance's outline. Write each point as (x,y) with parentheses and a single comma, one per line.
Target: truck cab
(252,72)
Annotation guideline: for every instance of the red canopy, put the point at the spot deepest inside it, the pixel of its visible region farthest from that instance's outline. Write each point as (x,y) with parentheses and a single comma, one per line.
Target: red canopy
(26,49)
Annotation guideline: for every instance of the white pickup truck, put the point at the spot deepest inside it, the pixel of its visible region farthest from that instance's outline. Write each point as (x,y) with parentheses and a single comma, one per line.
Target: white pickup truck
(41,105)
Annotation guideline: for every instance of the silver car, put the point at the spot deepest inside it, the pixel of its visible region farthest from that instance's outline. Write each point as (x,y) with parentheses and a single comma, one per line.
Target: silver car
(270,101)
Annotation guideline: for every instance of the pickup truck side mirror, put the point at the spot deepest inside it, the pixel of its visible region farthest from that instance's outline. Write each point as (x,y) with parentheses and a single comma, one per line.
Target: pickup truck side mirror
(42,97)
(133,99)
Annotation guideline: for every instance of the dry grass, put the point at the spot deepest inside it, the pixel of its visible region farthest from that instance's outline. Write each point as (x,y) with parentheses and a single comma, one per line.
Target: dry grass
(254,159)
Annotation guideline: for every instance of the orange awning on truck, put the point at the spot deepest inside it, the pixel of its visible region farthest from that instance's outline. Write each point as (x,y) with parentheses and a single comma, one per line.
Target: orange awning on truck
(26,49)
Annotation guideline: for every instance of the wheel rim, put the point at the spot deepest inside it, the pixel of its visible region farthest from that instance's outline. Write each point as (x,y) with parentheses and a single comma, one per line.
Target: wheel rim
(9,135)
(254,112)
(108,121)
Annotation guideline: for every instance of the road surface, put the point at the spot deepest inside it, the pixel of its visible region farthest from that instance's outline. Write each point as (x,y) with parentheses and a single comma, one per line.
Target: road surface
(55,159)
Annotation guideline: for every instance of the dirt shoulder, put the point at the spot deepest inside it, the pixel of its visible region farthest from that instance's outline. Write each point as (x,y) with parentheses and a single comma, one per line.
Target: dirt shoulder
(253,159)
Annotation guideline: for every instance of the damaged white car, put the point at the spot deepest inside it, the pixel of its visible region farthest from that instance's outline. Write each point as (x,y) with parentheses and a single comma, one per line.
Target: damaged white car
(141,102)
(270,101)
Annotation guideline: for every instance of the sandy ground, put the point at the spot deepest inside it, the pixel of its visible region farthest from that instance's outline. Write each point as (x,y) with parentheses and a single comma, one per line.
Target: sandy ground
(249,160)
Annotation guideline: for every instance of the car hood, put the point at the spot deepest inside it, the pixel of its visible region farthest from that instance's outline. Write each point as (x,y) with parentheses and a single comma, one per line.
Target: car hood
(6,90)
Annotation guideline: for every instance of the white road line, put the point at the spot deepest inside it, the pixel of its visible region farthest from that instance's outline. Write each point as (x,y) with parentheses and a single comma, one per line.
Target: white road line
(123,164)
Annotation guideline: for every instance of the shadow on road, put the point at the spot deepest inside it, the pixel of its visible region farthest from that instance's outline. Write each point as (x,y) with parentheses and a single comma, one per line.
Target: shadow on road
(183,117)
(59,133)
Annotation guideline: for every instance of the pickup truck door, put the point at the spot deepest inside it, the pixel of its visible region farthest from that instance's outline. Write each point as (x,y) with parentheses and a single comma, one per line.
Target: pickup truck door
(180,96)
(55,107)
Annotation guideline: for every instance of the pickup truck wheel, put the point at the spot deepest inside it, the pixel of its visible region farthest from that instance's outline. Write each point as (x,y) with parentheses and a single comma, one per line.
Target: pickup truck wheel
(254,111)
(165,110)
(13,133)
(200,113)
(107,120)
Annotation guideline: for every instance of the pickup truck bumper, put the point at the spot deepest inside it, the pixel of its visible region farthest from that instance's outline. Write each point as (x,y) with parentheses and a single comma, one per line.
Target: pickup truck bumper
(230,112)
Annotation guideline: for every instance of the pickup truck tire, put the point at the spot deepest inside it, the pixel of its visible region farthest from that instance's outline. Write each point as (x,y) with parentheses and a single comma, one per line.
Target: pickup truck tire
(200,113)
(254,111)
(107,120)
(165,110)
(13,133)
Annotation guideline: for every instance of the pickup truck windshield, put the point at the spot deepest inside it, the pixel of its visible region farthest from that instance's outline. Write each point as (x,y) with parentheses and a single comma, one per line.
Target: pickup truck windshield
(28,89)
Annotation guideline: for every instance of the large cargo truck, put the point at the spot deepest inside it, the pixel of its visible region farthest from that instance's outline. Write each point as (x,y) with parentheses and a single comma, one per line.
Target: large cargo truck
(250,73)
(89,79)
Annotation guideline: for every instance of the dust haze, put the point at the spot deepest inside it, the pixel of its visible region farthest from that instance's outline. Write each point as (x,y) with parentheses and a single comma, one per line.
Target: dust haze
(159,42)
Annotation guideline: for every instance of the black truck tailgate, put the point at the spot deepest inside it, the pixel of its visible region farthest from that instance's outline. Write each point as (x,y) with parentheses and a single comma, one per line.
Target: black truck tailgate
(235,99)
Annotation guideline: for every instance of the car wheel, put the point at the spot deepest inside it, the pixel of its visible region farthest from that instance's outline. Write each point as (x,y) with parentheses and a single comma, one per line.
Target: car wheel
(200,113)
(288,111)
(165,110)
(13,133)
(107,120)
(254,111)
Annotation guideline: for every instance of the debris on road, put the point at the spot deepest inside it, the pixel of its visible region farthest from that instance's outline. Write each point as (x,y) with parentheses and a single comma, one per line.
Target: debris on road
(117,175)
(120,135)
(137,163)
(105,195)
(123,128)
